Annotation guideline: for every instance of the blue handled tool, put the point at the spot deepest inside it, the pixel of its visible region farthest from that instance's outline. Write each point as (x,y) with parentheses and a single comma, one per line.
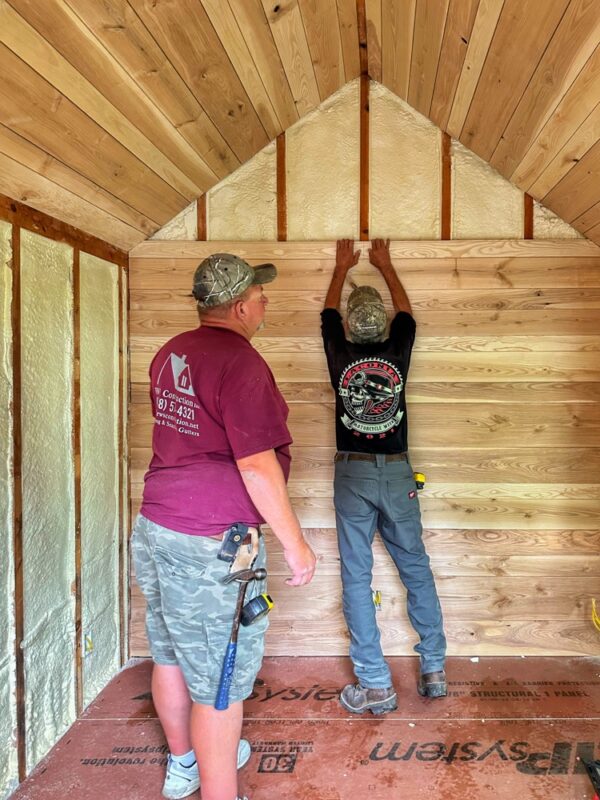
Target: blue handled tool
(243,577)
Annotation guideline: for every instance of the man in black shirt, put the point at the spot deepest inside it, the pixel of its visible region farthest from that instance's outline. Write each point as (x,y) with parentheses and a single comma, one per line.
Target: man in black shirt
(374,486)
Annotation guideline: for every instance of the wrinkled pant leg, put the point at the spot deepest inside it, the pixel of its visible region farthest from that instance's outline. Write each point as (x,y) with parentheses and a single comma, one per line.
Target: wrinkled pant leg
(402,533)
(356,519)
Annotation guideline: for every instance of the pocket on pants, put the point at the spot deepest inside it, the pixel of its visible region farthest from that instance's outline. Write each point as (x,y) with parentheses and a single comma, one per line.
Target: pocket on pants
(350,496)
(403,500)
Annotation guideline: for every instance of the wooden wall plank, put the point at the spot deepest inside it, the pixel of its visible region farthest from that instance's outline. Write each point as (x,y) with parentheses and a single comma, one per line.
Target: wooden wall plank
(567,158)
(504,466)
(373,22)
(445,273)
(484,27)
(461,367)
(575,107)
(71,136)
(322,29)
(28,186)
(255,28)
(522,34)
(397,23)
(573,43)
(464,249)
(511,519)
(575,193)
(208,73)
(176,169)
(457,34)
(42,163)
(122,33)
(287,28)
(348,24)
(430,22)
(227,29)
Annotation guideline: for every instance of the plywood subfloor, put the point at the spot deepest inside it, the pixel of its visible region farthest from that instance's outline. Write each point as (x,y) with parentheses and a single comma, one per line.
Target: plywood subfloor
(510,728)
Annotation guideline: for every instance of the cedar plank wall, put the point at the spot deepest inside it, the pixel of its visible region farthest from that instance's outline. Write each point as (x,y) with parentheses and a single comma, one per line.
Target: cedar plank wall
(504,414)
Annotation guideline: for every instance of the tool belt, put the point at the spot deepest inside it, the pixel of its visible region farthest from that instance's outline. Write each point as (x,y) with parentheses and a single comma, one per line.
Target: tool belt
(370,457)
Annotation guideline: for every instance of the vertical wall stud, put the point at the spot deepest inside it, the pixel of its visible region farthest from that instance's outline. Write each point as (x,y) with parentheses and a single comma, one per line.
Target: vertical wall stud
(364,120)
(123,560)
(281,190)
(76,444)
(527,216)
(201,218)
(18,499)
(446,210)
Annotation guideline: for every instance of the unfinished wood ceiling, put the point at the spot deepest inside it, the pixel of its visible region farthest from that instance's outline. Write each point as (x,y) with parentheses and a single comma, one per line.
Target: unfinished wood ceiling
(117,113)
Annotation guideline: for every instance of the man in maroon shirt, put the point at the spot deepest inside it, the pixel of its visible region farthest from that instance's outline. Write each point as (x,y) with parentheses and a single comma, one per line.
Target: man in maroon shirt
(220,456)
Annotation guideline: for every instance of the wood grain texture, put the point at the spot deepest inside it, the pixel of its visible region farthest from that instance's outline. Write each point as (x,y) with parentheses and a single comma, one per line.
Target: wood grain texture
(429,25)
(504,417)
(572,44)
(324,43)
(398,20)
(521,36)
(286,25)
(17,509)
(190,43)
(457,35)
(348,22)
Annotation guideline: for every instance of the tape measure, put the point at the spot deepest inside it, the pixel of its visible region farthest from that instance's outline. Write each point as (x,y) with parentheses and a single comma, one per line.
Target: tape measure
(419,479)
(256,609)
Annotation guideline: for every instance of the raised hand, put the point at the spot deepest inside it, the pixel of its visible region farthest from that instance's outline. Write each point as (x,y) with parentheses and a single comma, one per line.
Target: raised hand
(345,255)
(379,254)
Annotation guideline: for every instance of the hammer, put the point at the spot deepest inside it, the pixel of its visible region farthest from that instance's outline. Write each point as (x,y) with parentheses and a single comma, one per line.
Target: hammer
(243,577)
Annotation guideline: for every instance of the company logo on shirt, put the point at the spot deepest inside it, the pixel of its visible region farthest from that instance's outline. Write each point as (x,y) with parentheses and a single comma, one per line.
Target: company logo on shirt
(371,392)
(172,408)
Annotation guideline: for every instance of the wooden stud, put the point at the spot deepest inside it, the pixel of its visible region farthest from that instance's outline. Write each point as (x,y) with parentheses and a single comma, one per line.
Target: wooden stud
(365,83)
(18,500)
(446,186)
(76,446)
(527,216)
(361,14)
(122,556)
(29,218)
(281,190)
(201,229)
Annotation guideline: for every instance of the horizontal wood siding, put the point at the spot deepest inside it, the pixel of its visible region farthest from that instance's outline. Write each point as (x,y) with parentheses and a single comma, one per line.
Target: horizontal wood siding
(504,417)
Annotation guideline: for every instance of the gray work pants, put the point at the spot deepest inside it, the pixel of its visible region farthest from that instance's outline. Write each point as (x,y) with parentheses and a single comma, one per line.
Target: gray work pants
(379,495)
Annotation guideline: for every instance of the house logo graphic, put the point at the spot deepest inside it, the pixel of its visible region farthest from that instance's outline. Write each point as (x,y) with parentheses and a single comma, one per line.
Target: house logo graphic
(182,379)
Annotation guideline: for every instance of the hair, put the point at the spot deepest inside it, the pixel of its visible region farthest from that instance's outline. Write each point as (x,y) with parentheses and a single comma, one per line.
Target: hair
(222,310)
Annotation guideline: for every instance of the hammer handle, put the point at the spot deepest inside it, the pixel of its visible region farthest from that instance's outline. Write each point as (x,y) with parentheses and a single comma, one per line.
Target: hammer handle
(222,699)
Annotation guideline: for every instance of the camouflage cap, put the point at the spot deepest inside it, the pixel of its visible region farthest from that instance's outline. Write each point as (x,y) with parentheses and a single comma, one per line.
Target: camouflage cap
(366,315)
(222,277)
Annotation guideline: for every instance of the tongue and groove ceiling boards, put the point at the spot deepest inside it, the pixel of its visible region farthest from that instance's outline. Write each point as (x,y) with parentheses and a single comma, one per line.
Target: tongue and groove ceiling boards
(117,114)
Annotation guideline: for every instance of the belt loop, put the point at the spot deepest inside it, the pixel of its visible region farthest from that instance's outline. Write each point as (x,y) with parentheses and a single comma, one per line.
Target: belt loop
(345,457)
(380,459)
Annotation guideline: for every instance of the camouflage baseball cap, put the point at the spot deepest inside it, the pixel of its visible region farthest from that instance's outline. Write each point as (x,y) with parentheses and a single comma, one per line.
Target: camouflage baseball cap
(366,315)
(222,277)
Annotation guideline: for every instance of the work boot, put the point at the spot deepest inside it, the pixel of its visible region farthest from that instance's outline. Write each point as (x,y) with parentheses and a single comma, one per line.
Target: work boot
(433,684)
(358,699)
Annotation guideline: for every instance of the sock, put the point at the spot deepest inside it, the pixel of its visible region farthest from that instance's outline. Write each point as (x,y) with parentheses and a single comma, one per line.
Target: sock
(187,760)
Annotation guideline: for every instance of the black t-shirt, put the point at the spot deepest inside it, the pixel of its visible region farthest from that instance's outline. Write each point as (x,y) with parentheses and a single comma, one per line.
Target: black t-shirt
(369,383)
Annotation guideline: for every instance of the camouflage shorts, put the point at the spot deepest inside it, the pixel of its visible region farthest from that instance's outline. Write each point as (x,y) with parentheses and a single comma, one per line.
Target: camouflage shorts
(190,612)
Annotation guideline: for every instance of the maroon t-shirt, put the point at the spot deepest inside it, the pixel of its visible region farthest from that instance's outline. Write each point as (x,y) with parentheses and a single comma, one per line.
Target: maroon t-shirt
(214,400)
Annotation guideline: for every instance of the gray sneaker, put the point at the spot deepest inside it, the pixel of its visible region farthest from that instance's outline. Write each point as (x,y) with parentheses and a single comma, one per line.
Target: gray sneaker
(433,684)
(358,699)
(181,781)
